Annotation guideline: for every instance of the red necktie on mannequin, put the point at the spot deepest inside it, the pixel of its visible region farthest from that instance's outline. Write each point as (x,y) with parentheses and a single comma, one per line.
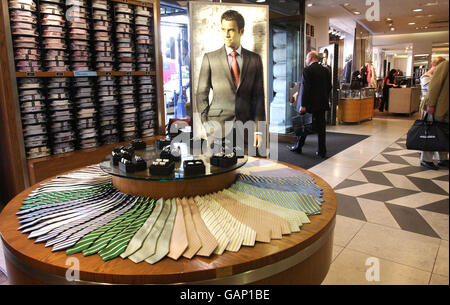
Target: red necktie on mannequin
(235,68)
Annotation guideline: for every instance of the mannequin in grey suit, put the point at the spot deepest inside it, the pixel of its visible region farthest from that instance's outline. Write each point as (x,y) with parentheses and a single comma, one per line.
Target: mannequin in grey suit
(236,97)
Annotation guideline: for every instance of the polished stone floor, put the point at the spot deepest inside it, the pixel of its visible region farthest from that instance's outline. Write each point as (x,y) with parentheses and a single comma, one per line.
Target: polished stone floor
(392,221)
(390,210)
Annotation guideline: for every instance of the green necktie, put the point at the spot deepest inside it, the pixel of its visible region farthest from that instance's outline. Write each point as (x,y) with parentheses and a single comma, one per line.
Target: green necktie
(137,240)
(119,243)
(149,245)
(122,220)
(162,248)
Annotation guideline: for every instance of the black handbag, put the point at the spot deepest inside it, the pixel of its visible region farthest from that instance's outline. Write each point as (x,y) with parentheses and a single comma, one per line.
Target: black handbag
(428,136)
(303,124)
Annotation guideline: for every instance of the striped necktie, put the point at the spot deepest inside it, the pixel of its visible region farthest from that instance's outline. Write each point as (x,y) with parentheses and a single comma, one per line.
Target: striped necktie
(229,221)
(119,243)
(290,200)
(293,217)
(212,221)
(179,240)
(277,225)
(148,247)
(104,235)
(194,243)
(209,243)
(278,184)
(162,248)
(139,237)
(89,239)
(93,225)
(66,239)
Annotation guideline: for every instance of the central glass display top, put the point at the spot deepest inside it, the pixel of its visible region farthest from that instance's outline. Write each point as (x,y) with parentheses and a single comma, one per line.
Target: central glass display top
(151,153)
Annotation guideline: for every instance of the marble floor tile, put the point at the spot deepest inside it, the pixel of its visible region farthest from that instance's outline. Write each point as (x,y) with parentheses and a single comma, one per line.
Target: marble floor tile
(346,228)
(358,176)
(417,200)
(411,249)
(385,167)
(441,265)
(439,222)
(377,212)
(332,180)
(351,268)
(437,279)
(442,184)
(362,189)
(336,251)
(401,182)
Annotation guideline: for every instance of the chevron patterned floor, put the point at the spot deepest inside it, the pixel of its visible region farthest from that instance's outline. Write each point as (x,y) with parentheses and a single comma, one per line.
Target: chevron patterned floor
(394,190)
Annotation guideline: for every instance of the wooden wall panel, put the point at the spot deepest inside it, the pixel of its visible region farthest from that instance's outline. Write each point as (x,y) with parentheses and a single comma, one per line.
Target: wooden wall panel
(13,164)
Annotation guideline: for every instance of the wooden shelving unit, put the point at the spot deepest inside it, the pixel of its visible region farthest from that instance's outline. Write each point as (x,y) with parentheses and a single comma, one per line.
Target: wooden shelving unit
(27,172)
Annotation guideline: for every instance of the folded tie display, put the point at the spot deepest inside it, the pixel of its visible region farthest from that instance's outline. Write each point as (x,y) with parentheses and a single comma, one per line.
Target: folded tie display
(82,212)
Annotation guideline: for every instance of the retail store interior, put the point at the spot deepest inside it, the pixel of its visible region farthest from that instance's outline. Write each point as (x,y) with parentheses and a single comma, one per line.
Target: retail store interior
(392,212)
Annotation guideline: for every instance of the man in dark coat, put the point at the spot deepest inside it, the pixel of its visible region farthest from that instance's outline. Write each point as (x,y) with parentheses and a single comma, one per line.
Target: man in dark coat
(313,97)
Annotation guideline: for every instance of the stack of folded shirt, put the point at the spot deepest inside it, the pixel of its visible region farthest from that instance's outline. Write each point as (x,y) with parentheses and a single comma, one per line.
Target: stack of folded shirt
(53,33)
(79,28)
(25,35)
(104,56)
(34,117)
(144,42)
(61,112)
(86,112)
(108,104)
(123,17)
(128,108)
(147,105)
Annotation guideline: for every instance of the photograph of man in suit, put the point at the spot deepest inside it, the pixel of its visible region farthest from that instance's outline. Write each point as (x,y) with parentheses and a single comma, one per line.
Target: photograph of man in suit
(313,97)
(235,76)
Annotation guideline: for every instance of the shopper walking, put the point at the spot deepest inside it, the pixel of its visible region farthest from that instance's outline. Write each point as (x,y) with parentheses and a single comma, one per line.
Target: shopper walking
(435,104)
(389,82)
(313,97)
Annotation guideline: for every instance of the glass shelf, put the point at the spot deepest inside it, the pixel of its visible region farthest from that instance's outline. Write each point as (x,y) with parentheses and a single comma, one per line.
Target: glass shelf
(151,153)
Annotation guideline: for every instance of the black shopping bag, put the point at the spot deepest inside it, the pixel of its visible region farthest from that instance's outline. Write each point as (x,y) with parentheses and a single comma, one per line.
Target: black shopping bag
(303,124)
(428,136)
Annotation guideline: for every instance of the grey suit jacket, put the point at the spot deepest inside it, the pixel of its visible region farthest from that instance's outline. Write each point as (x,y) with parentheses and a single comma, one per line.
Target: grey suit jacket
(244,103)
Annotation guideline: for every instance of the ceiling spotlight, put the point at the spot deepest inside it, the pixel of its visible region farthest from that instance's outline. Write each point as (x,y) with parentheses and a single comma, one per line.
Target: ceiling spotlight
(392,29)
(356,13)
(411,23)
(389,19)
(346,4)
(260,1)
(310,4)
(417,10)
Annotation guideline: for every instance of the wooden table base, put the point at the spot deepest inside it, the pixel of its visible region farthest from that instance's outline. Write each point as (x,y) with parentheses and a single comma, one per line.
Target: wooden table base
(177,188)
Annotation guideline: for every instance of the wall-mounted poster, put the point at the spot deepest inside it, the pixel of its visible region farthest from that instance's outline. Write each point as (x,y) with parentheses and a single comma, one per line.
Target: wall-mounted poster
(229,59)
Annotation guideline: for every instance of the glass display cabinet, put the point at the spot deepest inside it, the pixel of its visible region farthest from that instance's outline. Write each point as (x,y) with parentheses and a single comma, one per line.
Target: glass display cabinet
(356,105)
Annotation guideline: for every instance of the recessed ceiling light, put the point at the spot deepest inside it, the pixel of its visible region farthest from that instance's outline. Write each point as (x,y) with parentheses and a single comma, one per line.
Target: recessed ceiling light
(411,23)
(392,29)
(418,10)
(310,4)
(356,13)
(346,4)
(388,19)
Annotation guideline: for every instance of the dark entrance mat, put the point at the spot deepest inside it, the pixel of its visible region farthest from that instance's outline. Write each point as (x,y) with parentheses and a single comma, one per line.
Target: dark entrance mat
(336,142)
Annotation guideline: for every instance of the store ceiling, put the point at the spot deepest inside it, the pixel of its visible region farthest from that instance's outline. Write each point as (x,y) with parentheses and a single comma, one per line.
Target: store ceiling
(433,17)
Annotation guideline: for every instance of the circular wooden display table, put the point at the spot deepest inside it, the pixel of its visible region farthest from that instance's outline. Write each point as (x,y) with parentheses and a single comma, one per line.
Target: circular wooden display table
(177,184)
(298,258)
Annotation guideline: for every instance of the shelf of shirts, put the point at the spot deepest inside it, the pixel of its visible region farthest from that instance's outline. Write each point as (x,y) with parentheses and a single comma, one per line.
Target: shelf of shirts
(84,74)
(29,171)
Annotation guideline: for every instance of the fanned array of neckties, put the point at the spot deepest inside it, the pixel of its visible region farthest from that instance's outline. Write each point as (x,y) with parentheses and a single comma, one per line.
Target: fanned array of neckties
(83,212)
